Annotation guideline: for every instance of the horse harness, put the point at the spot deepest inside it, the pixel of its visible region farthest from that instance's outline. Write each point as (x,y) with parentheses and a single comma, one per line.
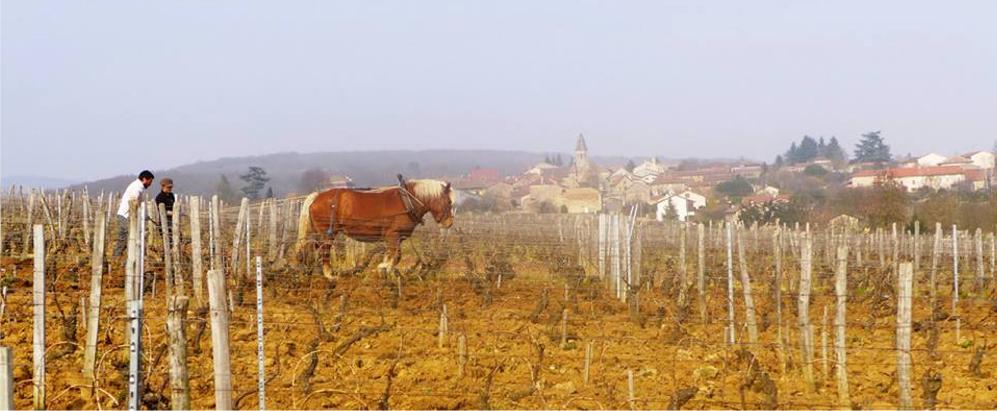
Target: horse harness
(409,200)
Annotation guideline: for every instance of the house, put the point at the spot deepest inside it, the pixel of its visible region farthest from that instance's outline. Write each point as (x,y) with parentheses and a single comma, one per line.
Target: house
(478,180)
(915,178)
(582,200)
(637,192)
(764,198)
(540,167)
(543,197)
(649,170)
(959,161)
(339,181)
(667,184)
(772,191)
(982,159)
(501,190)
(930,160)
(462,196)
(673,206)
(747,171)
(698,200)
(683,204)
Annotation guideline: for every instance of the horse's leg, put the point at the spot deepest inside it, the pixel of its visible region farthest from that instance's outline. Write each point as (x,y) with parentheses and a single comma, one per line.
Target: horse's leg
(324,250)
(398,253)
(392,254)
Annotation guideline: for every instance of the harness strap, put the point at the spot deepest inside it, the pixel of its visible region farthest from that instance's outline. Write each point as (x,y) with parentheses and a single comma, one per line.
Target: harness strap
(410,209)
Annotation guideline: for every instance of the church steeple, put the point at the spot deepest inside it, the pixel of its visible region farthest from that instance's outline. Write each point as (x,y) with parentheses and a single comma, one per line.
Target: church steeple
(581,152)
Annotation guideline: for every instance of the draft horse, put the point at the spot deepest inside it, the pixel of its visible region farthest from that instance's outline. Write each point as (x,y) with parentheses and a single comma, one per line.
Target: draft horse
(388,214)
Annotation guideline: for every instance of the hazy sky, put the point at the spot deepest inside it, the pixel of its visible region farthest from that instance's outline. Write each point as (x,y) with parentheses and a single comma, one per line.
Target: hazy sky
(96,88)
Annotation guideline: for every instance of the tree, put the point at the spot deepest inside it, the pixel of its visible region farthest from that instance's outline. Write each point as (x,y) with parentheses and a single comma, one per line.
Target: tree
(779,162)
(557,160)
(269,192)
(885,204)
(224,190)
(872,149)
(808,150)
(255,180)
(791,155)
(814,170)
(630,166)
(671,214)
(735,188)
(312,180)
(834,153)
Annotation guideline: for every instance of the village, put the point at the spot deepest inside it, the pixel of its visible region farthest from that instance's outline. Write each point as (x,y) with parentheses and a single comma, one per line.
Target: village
(677,191)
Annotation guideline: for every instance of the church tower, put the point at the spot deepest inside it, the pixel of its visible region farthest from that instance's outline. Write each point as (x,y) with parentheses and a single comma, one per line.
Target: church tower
(581,155)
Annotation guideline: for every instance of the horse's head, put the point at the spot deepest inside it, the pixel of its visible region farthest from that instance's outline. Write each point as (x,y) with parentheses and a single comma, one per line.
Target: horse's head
(439,197)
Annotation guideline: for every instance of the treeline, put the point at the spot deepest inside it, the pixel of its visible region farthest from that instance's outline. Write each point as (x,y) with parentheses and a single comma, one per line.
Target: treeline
(810,149)
(881,206)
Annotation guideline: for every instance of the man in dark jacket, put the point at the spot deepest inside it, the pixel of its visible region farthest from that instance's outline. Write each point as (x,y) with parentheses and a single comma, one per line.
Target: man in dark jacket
(166,198)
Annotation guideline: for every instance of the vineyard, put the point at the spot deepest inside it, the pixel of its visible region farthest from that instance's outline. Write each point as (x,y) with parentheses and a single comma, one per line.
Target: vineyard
(215,308)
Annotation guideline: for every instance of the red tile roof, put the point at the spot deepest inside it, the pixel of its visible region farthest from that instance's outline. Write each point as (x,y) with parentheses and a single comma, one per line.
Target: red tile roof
(764,198)
(912,172)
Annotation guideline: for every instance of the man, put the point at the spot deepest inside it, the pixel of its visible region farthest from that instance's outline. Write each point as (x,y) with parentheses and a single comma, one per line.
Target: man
(166,198)
(132,193)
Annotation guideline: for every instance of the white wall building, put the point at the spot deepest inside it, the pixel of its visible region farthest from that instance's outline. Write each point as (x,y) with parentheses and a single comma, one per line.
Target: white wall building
(915,178)
(982,159)
(684,205)
(930,160)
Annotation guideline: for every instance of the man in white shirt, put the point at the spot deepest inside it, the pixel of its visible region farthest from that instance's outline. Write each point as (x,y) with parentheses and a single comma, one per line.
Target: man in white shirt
(132,193)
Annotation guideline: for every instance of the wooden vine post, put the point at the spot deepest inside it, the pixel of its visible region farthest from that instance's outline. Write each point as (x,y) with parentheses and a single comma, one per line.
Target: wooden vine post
(803,315)
(749,303)
(905,280)
(6,378)
(96,288)
(260,356)
(38,337)
(701,271)
(731,336)
(177,328)
(197,274)
(841,294)
(220,339)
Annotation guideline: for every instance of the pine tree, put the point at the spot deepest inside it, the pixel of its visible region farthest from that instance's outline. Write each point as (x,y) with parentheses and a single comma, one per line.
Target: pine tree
(255,180)
(808,150)
(821,148)
(835,153)
(630,166)
(779,162)
(791,155)
(872,149)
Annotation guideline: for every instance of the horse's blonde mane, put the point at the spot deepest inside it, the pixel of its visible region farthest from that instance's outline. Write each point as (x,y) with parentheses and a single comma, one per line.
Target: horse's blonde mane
(429,189)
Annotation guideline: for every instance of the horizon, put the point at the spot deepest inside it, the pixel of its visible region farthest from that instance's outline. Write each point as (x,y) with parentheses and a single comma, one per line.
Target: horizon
(638,79)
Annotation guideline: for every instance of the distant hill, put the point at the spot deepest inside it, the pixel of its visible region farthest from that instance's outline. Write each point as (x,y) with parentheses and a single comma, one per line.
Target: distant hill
(46,183)
(366,168)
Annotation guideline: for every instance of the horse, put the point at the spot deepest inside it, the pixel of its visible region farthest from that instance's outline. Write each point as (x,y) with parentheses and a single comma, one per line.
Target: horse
(388,214)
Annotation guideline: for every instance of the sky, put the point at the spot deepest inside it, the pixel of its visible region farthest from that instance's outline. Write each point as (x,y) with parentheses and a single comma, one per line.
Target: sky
(100,88)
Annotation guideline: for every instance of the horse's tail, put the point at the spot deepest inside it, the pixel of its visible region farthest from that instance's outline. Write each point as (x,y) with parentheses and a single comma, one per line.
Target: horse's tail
(304,224)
